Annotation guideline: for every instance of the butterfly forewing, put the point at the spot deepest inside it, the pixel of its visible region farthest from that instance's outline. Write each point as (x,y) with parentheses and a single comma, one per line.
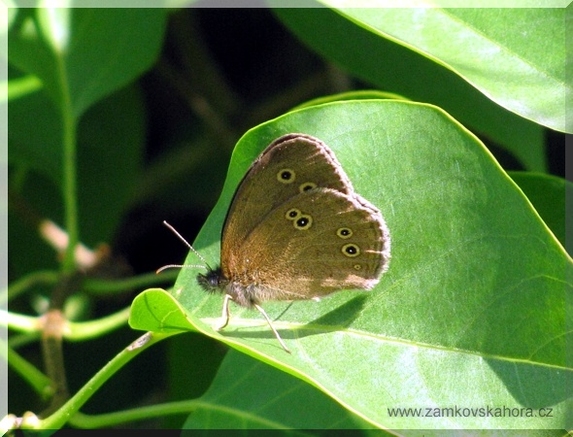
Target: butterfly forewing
(288,166)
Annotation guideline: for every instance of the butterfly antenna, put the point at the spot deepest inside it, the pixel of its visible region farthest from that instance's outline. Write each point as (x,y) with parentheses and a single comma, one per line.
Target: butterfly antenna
(169,266)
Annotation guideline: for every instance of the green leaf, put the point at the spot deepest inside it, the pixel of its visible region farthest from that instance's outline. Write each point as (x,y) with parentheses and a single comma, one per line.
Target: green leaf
(75,55)
(111,140)
(157,311)
(105,147)
(524,48)
(402,50)
(35,142)
(475,306)
(547,194)
(262,397)
(82,55)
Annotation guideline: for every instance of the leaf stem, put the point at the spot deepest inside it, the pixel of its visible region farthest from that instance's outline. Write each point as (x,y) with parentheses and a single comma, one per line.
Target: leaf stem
(80,420)
(18,287)
(99,327)
(73,331)
(39,382)
(97,286)
(72,406)
(69,139)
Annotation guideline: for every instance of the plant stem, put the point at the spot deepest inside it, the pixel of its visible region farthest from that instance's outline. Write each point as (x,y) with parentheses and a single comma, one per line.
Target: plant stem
(40,382)
(80,420)
(53,355)
(97,286)
(69,139)
(72,406)
(96,328)
(73,331)
(25,283)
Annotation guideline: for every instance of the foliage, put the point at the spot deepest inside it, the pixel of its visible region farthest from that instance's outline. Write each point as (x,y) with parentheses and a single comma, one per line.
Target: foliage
(124,117)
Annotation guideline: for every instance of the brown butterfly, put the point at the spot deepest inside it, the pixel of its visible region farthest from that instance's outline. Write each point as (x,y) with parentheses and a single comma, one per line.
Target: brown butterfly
(296,230)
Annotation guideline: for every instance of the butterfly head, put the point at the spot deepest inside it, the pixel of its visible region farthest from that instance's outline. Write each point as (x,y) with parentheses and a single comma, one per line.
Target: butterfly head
(212,281)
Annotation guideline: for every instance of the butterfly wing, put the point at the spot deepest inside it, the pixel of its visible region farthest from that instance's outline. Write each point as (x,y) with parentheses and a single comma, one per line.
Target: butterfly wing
(289,165)
(314,243)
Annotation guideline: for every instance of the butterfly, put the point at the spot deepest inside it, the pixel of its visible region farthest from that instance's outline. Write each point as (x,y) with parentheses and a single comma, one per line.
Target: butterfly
(296,230)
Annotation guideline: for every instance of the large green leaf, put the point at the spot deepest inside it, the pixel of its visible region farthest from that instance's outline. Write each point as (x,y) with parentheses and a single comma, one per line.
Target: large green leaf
(474,310)
(446,57)
(259,396)
(35,142)
(523,50)
(82,55)
(108,159)
(548,194)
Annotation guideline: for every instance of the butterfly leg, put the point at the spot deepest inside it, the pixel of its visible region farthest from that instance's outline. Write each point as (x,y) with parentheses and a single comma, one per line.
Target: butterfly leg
(225,315)
(258,307)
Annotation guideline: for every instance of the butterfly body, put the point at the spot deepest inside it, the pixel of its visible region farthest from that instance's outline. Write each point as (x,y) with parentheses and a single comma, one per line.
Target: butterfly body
(297,230)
